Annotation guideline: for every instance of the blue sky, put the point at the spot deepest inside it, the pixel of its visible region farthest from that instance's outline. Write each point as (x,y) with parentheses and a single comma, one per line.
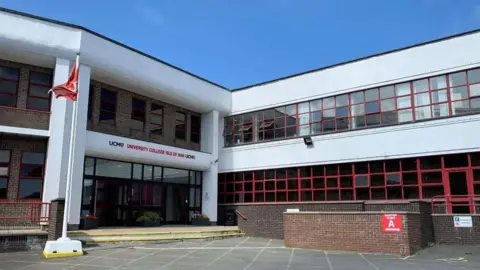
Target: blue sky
(243,42)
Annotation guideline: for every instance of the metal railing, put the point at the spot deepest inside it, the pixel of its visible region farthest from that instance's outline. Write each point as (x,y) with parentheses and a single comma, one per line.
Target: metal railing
(24,215)
(241,215)
(455,204)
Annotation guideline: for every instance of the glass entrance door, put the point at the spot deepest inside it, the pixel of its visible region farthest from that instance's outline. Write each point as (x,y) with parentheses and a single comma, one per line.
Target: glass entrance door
(458,182)
(176,204)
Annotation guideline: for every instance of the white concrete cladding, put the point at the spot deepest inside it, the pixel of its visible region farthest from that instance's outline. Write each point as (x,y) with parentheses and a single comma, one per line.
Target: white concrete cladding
(434,58)
(452,135)
(130,150)
(110,61)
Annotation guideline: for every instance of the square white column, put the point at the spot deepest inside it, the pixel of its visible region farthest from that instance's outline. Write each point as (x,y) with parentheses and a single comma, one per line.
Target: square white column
(210,143)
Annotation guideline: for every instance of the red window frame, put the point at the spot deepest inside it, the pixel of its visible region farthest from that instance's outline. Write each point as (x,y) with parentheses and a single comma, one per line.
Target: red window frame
(422,106)
(7,176)
(104,99)
(195,128)
(46,85)
(31,178)
(392,179)
(157,128)
(4,93)
(180,126)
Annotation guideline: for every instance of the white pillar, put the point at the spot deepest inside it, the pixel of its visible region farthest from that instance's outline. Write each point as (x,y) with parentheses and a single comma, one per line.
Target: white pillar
(58,143)
(209,143)
(79,148)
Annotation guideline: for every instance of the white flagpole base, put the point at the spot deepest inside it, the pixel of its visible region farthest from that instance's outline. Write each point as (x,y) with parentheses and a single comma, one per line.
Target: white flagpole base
(62,247)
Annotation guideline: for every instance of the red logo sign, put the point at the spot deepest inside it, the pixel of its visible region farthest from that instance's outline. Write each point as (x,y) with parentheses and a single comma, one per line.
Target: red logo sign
(392,223)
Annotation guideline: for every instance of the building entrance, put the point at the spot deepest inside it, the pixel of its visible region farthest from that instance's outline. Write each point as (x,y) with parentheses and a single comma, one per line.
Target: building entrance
(173,194)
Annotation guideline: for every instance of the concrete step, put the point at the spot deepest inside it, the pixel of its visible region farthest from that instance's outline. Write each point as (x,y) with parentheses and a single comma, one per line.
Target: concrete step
(105,236)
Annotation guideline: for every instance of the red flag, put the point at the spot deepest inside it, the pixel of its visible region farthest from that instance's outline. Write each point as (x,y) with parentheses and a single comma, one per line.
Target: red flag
(68,89)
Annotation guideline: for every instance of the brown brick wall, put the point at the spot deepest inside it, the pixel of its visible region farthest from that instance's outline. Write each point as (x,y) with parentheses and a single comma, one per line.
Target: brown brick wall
(446,233)
(351,231)
(20,116)
(55,224)
(266,220)
(125,126)
(17,145)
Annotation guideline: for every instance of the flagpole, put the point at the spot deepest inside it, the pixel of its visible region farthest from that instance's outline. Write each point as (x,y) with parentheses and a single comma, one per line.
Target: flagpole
(73,130)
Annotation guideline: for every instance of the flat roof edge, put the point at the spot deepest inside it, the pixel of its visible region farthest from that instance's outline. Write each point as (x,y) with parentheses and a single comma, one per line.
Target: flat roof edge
(360,59)
(15,12)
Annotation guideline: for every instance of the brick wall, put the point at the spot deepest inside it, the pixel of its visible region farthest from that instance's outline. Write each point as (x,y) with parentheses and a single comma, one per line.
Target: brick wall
(266,220)
(22,242)
(20,116)
(340,231)
(18,144)
(446,233)
(127,127)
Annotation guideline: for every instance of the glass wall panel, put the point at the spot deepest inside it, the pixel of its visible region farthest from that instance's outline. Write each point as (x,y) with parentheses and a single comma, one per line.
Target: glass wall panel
(175,176)
(115,169)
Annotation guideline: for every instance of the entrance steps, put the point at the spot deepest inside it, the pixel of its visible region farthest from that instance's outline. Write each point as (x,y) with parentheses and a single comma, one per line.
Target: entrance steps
(163,233)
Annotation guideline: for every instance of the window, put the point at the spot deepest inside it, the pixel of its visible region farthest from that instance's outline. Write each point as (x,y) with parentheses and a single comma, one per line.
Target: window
(447,95)
(4,170)
(32,170)
(91,98)
(195,122)
(38,96)
(138,109)
(8,86)
(180,119)
(156,119)
(393,179)
(108,106)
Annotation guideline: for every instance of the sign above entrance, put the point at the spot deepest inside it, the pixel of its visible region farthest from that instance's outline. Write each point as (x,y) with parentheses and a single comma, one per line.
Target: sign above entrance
(392,223)
(462,221)
(130,150)
(151,150)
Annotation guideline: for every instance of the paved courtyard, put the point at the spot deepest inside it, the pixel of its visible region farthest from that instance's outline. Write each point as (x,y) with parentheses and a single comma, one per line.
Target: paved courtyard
(240,253)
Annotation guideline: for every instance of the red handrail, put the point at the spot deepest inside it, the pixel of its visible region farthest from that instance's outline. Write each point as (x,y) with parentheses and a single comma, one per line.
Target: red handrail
(448,201)
(241,215)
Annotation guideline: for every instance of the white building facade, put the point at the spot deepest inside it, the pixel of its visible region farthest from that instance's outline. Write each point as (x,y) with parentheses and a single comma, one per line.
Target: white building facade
(152,137)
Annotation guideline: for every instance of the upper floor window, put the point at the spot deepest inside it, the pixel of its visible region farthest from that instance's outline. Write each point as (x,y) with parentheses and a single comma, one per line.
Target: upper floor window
(138,109)
(180,119)
(425,99)
(8,86)
(195,122)
(38,96)
(4,169)
(108,106)
(32,170)
(91,98)
(156,119)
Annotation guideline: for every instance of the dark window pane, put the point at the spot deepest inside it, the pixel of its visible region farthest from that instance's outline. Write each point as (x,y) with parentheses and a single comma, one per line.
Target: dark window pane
(270,174)
(39,91)
(306,183)
(38,104)
(377,180)
(362,193)
(328,126)
(248,176)
(428,163)
(373,119)
(8,100)
(259,186)
(281,173)
(333,195)
(305,171)
(378,194)
(410,193)
(345,168)
(292,172)
(376,166)
(319,195)
(342,124)
(138,104)
(389,118)
(346,181)
(9,73)
(393,179)
(361,181)
(3,188)
(392,165)
(306,195)
(107,95)
(429,192)
(409,164)
(292,184)
(33,157)
(332,169)
(341,112)
(361,168)
(32,170)
(318,183)
(259,175)
(332,182)
(372,107)
(281,196)
(358,122)
(410,178)
(30,189)
(475,158)
(106,115)
(269,185)
(394,193)
(457,160)
(248,186)
(432,177)
(318,170)
(281,184)
(4,156)
(41,78)
(107,106)
(346,195)
(8,87)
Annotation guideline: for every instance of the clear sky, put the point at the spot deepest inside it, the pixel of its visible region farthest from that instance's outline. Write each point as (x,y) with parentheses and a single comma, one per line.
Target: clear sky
(241,42)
